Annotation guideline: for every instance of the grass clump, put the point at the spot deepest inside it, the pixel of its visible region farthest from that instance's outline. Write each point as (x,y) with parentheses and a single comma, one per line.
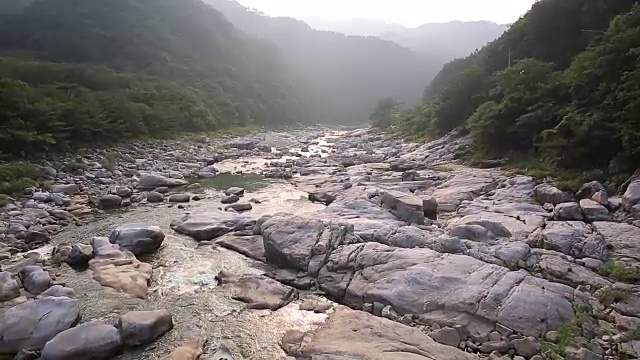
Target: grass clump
(620,272)
(4,200)
(14,178)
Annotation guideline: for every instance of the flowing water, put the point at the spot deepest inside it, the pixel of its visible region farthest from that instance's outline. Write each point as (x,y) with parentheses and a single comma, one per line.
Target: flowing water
(184,273)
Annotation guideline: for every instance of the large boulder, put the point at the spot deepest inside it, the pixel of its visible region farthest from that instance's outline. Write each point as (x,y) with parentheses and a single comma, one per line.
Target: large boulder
(234,190)
(211,226)
(302,244)
(589,189)
(155,197)
(568,211)
(621,239)
(573,238)
(110,201)
(31,324)
(631,195)
(153,181)
(34,279)
(138,238)
(594,211)
(143,327)
(119,268)
(407,207)
(89,341)
(546,193)
(445,288)
(179,198)
(349,334)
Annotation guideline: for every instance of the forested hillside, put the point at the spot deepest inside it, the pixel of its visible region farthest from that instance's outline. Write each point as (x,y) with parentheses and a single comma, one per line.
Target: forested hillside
(78,72)
(569,98)
(347,73)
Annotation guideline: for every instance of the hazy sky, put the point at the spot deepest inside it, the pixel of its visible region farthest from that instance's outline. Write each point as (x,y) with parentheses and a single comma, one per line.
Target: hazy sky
(405,12)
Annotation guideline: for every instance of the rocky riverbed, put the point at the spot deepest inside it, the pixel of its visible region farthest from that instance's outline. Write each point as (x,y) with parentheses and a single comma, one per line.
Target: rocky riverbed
(316,244)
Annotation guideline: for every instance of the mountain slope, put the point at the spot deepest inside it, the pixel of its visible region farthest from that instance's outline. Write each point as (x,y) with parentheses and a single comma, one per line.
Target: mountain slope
(569,99)
(349,73)
(186,45)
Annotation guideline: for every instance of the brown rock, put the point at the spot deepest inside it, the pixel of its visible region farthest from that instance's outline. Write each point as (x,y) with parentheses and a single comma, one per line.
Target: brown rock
(189,351)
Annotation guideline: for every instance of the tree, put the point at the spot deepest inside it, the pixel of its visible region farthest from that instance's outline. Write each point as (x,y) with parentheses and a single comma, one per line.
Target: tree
(386,113)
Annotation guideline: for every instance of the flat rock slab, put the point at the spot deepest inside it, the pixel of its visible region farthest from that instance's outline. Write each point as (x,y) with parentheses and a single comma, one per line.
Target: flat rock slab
(89,341)
(249,246)
(119,269)
(623,239)
(259,292)
(153,181)
(434,285)
(350,334)
(142,327)
(211,226)
(31,324)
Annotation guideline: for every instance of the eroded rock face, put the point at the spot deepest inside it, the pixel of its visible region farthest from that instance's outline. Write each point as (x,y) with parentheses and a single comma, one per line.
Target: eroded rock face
(209,227)
(428,283)
(259,292)
(31,324)
(573,238)
(622,240)
(9,288)
(406,206)
(89,341)
(350,334)
(119,268)
(34,279)
(137,238)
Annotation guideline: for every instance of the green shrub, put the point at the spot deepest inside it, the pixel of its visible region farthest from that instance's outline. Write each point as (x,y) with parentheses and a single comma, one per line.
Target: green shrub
(14,178)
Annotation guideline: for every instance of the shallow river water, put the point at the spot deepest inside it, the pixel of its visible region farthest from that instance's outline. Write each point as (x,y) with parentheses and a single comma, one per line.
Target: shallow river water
(184,273)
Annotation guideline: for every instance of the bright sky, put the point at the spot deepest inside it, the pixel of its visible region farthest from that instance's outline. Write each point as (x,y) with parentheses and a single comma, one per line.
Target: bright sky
(409,13)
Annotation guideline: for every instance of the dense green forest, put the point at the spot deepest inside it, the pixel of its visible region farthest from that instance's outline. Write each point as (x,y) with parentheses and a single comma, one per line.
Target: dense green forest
(346,74)
(569,98)
(77,72)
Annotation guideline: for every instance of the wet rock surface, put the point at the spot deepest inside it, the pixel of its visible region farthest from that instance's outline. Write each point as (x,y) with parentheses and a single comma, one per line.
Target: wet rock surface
(353,245)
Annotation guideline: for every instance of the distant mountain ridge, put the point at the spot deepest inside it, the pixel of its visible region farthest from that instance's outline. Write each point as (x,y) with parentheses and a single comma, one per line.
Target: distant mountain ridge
(446,41)
(349,73)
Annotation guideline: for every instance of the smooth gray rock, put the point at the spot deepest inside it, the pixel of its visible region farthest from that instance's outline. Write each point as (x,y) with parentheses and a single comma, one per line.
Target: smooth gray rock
(34,279)
(408,207)
(138,238)
(155,197)
(447,336)
(110,201)
(230,199)
(258,291)
(527,347)
(631,195)
(31,324)
(9,288)
(58,291)
(143,327)
(545,193)
(89,341)
(622,239)
(211,226)
(153,181)
(572,238)
(124,191)
(239,207)
(568,211)
(238,191)
(594,211)
(424,282)
(180,198)
(67,189)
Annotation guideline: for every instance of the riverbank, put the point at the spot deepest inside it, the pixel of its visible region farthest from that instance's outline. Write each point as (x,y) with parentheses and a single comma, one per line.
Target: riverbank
(268,244)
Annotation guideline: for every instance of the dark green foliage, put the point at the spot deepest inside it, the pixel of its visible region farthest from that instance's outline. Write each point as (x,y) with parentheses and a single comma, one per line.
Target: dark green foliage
(569,98)
(81,72)
(15,178)
(385,113)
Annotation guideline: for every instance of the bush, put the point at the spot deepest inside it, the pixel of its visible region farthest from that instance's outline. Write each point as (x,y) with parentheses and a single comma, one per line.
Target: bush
(17,177)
